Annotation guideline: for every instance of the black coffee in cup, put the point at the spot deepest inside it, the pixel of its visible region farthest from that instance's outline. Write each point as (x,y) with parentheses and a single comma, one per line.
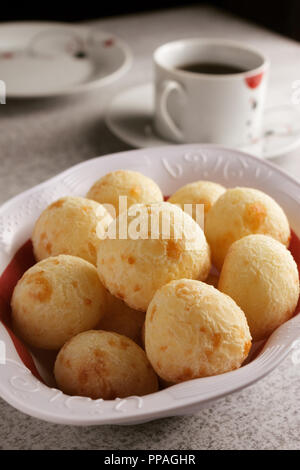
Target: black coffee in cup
(212,68)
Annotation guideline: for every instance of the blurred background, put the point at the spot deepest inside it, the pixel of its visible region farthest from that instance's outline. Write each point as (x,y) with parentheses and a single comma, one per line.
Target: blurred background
(281,16)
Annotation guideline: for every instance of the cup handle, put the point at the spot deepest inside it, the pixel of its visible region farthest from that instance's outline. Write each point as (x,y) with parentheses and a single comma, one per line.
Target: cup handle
(166,88)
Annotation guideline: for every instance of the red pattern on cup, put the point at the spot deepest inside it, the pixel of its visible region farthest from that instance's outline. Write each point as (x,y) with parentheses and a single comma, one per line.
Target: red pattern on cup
(254,81)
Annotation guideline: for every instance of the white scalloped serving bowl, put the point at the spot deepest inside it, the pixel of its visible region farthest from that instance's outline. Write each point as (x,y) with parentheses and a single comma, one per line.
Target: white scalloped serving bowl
(170,167)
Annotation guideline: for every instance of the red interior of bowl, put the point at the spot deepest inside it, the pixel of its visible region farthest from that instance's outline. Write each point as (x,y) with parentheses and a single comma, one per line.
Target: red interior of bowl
(24,259)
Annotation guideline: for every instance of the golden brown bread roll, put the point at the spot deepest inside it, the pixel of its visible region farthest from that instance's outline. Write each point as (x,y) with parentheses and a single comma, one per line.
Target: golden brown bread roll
(69,226)
(240,212)
(260,274)
(138,188)
(193,330)
(56,299)
(133,269)
(101,364)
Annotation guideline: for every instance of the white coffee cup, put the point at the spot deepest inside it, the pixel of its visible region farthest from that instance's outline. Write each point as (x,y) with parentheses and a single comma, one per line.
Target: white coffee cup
(209,108)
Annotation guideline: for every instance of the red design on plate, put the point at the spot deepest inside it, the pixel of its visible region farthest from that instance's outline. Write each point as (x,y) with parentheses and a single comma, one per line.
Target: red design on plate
(109,42)
(24,259)
(254,81)
(7,55)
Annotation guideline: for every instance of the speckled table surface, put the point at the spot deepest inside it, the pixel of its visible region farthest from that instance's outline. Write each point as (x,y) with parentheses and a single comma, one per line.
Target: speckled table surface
(40,139)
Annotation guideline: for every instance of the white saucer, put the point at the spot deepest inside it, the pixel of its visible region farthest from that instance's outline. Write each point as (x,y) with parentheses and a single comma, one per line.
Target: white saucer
(130,117)
(41,59)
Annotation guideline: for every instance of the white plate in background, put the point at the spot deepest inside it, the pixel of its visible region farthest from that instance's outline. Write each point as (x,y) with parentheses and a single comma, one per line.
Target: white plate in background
(41,59)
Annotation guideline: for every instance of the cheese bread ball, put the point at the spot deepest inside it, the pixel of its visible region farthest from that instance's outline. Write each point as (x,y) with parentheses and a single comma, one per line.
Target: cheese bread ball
(240,212)
(199,192)
(69,226)
(122,319)
(133,269)
(260,274)
(193,330)
(101,364)
(138,188)
(56,299)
